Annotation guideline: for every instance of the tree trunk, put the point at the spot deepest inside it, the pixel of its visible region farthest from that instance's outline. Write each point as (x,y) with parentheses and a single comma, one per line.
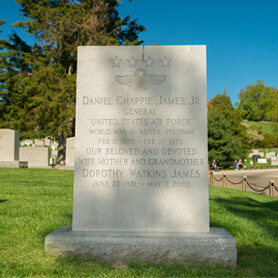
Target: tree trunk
(61,161)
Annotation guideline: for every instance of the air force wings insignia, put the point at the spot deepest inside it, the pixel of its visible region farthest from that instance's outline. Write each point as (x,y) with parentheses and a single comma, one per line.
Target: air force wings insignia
(141,80)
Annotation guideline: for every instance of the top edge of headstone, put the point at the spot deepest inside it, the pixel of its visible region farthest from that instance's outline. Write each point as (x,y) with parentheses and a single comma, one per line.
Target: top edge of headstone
(143,46)
(1,129)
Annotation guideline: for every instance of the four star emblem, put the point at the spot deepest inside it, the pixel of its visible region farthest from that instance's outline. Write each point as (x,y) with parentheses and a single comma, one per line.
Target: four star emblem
(141,80)
(149,62)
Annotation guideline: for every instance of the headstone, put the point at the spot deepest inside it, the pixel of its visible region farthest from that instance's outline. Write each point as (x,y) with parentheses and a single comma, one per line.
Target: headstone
(9,145)
(270,154)
(262,160)
(69,154)
(137,135)
(39,143)
(274,161)
(47,141)
(140,181)
(37,157)
(251,162)
(70,151)
(9,149)
(261,154)
(255,151)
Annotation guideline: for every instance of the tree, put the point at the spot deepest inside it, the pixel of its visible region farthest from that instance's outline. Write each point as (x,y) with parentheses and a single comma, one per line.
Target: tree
(258,102)
(222,102)
(227,138)
(270,141)
(222,145)
(46,84)
(38,82)
(2,46)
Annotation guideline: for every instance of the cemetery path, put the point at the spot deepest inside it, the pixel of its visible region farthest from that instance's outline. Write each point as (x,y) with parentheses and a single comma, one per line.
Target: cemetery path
(259,178)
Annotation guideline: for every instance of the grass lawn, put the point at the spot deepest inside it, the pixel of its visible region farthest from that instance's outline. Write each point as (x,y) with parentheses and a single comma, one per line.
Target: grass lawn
(35,202)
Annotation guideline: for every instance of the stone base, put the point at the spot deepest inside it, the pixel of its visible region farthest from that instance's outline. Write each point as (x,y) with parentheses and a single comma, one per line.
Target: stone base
(215,247)
(13,164)
(40,167)
(66,167)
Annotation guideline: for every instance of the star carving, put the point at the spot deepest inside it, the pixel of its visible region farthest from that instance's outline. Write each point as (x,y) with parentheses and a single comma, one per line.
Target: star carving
(149,62)
(132,62)
(165,62)
(116,62)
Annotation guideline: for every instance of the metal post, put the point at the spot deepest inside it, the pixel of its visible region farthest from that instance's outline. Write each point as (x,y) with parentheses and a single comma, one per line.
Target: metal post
(211,178)
(244,183)
(224,182)
(271,188)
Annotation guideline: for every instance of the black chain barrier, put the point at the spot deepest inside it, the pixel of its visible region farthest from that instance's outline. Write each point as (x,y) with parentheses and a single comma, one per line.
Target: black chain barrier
(255,189)
(217,179)
(251,185)
(233,182)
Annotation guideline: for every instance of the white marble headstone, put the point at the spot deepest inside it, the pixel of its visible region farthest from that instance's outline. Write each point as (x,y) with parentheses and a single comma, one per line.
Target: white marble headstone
(37,157)
(70,151)
(9,145)
(141,139)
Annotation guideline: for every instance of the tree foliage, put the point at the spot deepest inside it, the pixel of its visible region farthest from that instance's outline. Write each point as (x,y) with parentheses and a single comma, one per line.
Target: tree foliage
(259,102)
(226,136)
(37,83)
(269,141)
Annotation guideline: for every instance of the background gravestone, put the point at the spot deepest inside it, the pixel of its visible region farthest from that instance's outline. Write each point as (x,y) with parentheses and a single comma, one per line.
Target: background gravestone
(9,149)
(47,141)
(274,161)
(9,145)
(141,180)
(69,154)
(37,157)
(39,142)
(70,151)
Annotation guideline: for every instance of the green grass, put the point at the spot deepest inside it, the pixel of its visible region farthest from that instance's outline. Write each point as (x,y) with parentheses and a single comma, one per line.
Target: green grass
(267,127)
(35,202)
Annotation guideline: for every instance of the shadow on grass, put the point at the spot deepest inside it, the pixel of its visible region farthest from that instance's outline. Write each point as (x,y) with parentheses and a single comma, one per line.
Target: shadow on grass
(2,201)
(68,216)
(259,259)
(262,214)
(254,225)
(66,221)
